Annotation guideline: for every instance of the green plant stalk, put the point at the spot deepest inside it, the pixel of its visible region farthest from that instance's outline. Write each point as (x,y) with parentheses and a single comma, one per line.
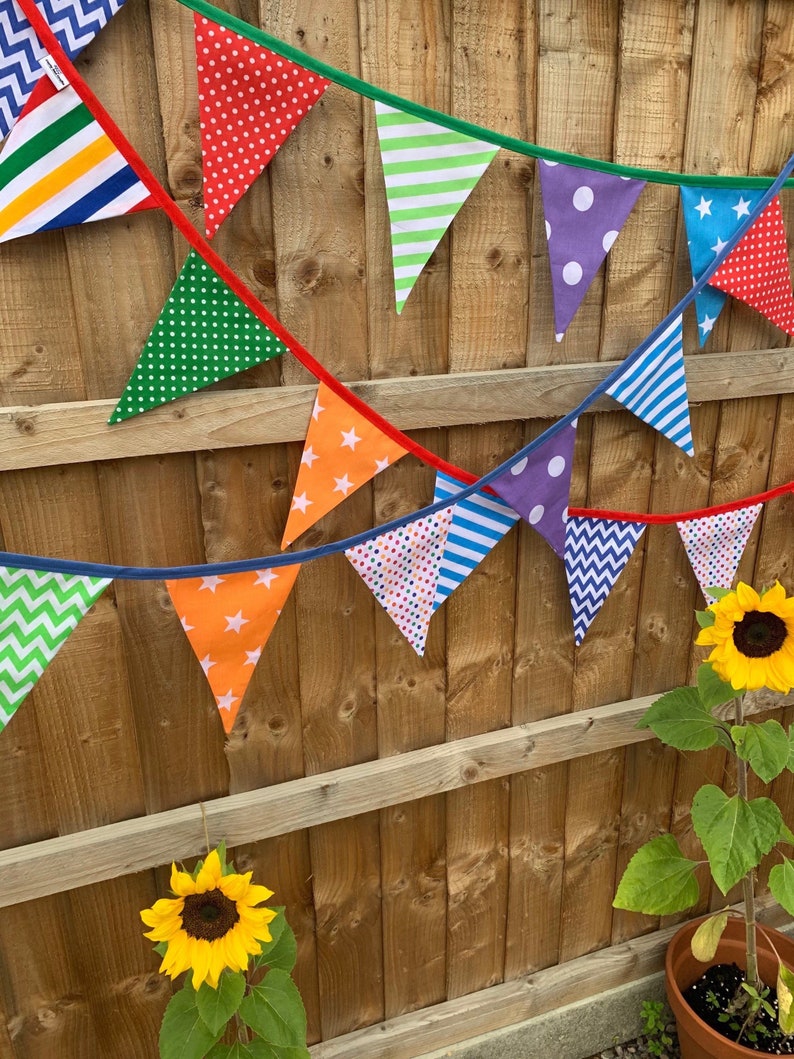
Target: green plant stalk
(748,889)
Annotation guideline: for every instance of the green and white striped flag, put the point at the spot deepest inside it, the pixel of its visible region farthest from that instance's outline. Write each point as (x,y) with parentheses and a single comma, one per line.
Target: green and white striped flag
(38,611)
(430,171)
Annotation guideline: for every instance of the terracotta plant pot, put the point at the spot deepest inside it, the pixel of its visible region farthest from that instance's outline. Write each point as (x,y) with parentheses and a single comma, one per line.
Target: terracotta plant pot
(697,1040)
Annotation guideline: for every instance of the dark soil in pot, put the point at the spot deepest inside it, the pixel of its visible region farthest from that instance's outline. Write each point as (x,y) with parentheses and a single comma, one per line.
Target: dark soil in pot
(710,995)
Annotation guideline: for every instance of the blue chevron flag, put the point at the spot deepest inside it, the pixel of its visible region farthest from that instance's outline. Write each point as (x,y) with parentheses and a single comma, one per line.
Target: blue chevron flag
(654,387)
(596,550)
(74,22)
(478,524)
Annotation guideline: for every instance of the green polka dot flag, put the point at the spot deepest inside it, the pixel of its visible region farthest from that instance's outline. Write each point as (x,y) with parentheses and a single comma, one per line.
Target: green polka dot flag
(203,334)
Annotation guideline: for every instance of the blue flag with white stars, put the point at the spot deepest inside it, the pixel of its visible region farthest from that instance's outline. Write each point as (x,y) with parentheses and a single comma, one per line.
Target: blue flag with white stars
(712,215)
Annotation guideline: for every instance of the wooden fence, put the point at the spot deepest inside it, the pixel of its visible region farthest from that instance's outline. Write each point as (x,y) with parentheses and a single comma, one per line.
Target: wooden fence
(437,827)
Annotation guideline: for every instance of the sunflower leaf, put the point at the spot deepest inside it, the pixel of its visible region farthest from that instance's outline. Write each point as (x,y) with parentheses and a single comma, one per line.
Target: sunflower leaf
(263,1050)
(238,1050)
(161,948)
(712,688)
(681,720)
(707,937)
(790,762)
(183,1033)
(705,618)
(765,746)
(274,1010)
(717,592)
(785,997)
(282,951)
(735,833)
(781,884)
(658,880)
(216,1006)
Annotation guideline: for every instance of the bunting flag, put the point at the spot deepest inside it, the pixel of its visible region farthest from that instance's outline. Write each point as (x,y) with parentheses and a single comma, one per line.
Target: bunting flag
(430,171)
(204,333)
(38,612)
(585,211)
(596,550)
(250,100)
(757,270)
(538,486)
(401,569)
(58,168)
(478,524)
(653,387)
(715,545)
(228,620)
(348,451)
(74,22)
(711,216)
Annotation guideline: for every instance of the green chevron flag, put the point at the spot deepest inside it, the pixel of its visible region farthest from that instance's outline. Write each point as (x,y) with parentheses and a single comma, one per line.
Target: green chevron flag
(430,171)
(38,611)
(204,333)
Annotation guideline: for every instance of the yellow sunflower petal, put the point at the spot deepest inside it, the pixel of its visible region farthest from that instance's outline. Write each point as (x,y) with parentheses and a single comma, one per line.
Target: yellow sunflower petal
(235,886)
(210,875)
(163,911)
(236,947)
(747,597)
(256,894)
(199,952)
(181,883)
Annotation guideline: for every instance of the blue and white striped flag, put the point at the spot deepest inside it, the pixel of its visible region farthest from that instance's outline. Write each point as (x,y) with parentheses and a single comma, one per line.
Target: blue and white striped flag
(478,524)
(74,22)
(654,387)
(596,550)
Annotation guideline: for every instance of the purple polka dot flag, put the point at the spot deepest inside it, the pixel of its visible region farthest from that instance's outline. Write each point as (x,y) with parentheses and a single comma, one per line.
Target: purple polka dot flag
(711,216)
(401,570)
(538,486)
(584,211)
(715,545)
(653,387)
(596,551)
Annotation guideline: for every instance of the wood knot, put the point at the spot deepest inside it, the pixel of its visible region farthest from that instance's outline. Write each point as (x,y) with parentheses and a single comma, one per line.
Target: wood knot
(309,274)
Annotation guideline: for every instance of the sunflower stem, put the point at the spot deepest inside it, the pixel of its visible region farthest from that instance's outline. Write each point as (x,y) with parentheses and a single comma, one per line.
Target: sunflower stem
(748,890)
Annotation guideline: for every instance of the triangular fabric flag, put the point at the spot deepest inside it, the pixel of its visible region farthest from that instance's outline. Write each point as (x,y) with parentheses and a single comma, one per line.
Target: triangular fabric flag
(347,449)
(58,168)
(228,620)
(250,100)
(38,611)
(711,216)
(204,333)
(75,24)
(478,524)
(653,387)
(585,211)
(401,569)
(757,270)
(430,171)
(538,486)
(596,550)
(715,545)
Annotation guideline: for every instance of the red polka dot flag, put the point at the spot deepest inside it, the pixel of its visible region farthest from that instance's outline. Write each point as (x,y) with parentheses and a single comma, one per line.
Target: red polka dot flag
(250,100)
(757,272)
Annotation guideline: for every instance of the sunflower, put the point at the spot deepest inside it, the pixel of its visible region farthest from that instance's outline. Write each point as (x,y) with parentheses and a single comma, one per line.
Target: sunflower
(211,924)
(753,638)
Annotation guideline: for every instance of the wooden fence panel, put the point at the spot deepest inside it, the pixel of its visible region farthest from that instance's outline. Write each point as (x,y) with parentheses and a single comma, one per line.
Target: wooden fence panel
(438,848)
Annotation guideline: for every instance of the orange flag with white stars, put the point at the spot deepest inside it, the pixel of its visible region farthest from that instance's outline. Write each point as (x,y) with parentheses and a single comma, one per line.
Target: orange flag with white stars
(228,620)
(343,451)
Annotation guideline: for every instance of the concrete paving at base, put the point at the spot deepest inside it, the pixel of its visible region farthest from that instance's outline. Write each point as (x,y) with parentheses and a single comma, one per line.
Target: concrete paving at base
(573,1032)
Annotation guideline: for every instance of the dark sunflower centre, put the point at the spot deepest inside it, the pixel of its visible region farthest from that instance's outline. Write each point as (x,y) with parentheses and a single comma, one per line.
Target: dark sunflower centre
(209,916)
(759,634)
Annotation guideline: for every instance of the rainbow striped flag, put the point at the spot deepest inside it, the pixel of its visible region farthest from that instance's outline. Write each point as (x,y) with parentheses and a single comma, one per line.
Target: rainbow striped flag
(59,168)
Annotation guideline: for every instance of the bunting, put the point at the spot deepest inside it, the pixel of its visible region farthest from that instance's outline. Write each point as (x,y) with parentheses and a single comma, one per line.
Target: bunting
(538,486)
(478,524)
(401,570)
(228,620)
(429,171)
(653,387)
(585,211)
(204,333)
(757,270)
(596,551)
(38,612)
(58,168)
(712,216)
(348,451)
(250,100)
(715,544)
(75,24)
